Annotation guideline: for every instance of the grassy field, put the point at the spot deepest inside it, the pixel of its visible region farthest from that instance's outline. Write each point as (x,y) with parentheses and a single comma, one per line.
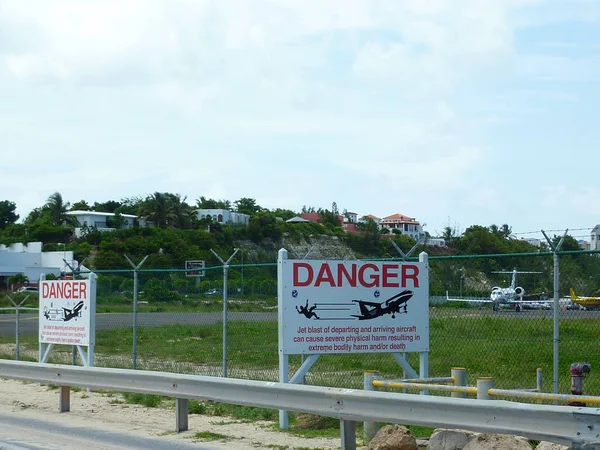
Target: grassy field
(507,348)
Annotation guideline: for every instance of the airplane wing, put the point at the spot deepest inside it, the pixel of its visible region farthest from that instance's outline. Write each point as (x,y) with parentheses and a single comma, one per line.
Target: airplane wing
(468,299)
(373,304)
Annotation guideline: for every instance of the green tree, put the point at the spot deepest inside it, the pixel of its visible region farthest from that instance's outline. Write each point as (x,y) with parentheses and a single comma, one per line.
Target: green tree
(7,214)
(19,278)
(330,218)
(109,206)
(247,205)
(57,209)
(81,205)
(158,208)
(209,203)
(184,216)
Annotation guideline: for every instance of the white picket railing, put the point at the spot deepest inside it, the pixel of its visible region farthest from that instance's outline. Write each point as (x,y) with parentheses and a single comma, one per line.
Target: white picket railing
(579,427)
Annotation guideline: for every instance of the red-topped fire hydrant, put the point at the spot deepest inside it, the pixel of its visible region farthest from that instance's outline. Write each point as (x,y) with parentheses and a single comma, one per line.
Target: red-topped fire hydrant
(578,370)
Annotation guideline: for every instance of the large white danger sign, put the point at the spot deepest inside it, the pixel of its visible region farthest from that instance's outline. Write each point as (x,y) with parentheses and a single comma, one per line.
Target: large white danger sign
(65,307)
(353,307)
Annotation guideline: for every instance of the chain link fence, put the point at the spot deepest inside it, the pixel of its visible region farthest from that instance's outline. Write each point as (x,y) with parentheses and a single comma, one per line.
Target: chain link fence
(179,323)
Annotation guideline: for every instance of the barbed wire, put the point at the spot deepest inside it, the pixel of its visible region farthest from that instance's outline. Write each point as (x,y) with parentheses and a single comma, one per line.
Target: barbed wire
(551,231)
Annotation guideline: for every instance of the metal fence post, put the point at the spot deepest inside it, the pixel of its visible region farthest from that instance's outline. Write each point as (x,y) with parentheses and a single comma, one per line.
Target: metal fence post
(459,378)
(135,306)
(225,301)
(17,317)
(555,250)
(370,428)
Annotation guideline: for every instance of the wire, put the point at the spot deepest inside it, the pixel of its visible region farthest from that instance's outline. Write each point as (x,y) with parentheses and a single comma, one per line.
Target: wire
(551,231)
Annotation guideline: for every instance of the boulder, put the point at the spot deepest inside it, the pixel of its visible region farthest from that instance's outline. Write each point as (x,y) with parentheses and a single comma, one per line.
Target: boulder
(497,442)
(545,445)
(444,439)
(393,437)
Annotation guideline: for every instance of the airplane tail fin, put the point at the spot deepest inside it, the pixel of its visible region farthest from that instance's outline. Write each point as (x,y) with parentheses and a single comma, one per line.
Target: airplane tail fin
(573,296)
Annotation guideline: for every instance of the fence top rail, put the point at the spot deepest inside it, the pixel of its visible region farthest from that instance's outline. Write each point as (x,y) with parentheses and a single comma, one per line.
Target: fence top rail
(561,424)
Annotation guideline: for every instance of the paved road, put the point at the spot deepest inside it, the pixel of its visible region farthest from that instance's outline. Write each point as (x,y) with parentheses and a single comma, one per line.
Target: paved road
(22,433)
(110,321)
(28,323)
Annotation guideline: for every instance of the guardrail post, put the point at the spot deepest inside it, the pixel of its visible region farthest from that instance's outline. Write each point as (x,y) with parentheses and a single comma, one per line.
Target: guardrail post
(348,433)
(370,428)
(459,378)
(181,415)
(64,402)
(539,379)
(484,384)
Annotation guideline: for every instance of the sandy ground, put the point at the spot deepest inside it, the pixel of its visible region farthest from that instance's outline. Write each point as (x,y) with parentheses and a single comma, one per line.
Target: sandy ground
(105,412)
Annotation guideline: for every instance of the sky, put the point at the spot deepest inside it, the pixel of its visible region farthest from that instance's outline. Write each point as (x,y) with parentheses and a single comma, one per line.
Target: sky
(454,112)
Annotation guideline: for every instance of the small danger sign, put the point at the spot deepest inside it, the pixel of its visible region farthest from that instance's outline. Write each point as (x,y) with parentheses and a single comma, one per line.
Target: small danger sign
(65,312)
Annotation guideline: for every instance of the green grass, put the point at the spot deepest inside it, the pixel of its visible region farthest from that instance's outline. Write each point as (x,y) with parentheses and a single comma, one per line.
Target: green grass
(148,400)
(209,436)
(507,348)
(243,413)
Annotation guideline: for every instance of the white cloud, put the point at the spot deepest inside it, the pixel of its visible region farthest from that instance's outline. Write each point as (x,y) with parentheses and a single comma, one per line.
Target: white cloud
(265,94)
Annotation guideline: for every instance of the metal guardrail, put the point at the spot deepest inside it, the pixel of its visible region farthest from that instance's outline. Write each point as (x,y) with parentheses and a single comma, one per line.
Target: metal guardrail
(576,426)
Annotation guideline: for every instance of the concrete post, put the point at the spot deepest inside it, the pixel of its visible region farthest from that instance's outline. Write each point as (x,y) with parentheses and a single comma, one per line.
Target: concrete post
(483,386)
(459,378)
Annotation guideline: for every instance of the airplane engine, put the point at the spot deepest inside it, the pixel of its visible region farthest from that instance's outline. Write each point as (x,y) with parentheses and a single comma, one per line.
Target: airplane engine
(519,291)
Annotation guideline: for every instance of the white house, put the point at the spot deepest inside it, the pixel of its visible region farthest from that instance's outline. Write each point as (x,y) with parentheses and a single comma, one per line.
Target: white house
(406,225)
(29,260)
(436,242)
(223,216)
(351,217)
(99,220)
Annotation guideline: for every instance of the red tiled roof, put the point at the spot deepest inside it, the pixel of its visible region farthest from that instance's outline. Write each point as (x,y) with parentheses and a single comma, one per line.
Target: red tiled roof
(399,217)
(313,216)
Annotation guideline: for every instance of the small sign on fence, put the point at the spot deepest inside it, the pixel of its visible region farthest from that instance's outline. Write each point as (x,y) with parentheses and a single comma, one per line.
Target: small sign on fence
(196,268)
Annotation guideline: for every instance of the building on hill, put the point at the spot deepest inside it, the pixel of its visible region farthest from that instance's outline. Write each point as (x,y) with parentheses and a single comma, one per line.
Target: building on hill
(223,216)
(316,218)
(375,219)
(31,261)
(350,217)
(595,238)
(99,221)
(406,225)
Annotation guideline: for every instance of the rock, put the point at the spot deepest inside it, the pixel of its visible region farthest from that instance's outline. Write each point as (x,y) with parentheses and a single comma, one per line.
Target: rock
(393,437)
(443,439)
(545,445)
(497,442)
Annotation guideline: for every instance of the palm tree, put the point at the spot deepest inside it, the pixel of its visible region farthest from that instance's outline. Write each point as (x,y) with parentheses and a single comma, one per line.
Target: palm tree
(158,209)
(57,209)
(184,215)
